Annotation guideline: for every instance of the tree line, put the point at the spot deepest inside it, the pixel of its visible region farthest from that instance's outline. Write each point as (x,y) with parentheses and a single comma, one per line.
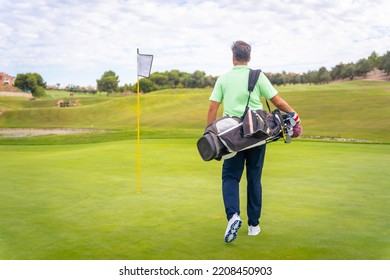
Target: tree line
(109,81)
(339,72)
(199,79)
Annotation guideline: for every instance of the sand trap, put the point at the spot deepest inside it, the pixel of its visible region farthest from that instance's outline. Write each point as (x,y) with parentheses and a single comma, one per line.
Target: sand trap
(31,132)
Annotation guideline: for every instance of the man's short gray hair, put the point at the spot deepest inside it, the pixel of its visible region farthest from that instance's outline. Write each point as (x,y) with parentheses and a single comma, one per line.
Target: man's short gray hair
(241,51)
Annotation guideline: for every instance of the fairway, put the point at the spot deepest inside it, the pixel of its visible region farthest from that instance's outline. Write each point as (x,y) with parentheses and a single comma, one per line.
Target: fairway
(322,200)
(76,196)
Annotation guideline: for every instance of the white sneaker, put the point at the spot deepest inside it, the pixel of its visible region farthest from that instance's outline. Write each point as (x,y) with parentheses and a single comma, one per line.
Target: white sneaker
(233,226)
(253,230)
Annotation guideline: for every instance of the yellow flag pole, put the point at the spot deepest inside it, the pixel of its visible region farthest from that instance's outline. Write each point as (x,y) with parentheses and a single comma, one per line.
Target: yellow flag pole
(138,138)
(140,72)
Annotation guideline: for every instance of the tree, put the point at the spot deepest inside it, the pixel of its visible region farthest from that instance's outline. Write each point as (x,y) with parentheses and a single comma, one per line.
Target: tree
(108,82)
(174,78)
(374,60)
(323,75)
(38,91)
(293,78)
(209,81)
(303,79)
(182,79)
(160,79)
(285,78)
(196,80)
(32,82)
(348,71)
(275,79)
(385,63)
(312,77)
(336,72)
(145,86)
(363,66)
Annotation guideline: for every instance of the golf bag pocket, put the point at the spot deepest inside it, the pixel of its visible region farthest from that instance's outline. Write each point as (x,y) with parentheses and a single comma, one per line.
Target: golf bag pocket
(209,145)
(235,141)
(255,124)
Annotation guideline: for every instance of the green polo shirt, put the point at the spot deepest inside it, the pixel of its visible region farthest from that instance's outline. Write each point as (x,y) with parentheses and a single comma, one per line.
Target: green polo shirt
(231,89)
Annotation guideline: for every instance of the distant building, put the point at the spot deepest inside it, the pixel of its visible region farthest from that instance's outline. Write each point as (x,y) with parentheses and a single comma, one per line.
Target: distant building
(6,79)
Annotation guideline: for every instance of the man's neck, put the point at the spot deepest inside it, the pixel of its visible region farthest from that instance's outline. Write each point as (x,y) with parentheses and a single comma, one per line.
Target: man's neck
(239,63)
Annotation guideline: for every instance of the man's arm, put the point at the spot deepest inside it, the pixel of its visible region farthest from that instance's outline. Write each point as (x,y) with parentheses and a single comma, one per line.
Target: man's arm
(281,104)
(213,110)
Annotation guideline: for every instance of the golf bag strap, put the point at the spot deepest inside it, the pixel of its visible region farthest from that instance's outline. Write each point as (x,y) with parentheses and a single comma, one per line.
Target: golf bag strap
(252,80)
(269,108)
(253,77)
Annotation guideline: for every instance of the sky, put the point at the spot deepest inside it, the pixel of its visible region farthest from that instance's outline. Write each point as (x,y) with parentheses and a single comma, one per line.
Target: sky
(74,42)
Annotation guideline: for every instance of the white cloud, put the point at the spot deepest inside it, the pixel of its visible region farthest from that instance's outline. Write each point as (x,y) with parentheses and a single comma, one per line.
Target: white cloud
(77,41)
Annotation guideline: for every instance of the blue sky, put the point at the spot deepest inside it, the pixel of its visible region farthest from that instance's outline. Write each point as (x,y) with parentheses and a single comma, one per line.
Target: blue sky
(75,42)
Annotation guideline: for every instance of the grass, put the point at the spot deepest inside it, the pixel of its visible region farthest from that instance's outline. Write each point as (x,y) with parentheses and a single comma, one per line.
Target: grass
(345,110)
(75,196)
(321,201)
(354,110)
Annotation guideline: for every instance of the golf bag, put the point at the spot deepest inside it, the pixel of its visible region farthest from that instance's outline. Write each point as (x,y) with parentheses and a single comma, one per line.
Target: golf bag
(226,136)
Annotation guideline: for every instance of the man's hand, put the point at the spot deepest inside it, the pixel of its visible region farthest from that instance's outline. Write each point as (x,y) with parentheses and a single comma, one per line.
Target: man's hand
(295,118)
(297,129)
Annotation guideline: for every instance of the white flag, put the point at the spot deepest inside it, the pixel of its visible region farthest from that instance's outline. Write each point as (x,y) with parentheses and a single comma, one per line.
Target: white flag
(144,64)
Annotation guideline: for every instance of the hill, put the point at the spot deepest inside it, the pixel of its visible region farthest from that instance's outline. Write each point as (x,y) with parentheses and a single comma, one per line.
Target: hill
(375,75)
(349,110)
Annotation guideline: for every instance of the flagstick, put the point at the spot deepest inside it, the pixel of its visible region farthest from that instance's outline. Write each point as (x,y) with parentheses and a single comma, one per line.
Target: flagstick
(138,137)
(141,71)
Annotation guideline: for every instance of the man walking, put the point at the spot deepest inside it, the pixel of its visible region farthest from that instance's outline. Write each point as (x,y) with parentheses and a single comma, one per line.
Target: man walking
(231,89)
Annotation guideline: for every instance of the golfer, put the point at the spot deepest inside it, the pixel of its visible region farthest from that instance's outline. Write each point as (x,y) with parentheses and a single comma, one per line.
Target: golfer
(231,89)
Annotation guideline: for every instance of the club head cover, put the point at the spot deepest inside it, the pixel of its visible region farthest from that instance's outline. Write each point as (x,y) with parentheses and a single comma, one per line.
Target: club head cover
(297,131)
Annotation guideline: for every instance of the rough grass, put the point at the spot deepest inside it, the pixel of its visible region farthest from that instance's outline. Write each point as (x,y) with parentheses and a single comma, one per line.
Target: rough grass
(354,110)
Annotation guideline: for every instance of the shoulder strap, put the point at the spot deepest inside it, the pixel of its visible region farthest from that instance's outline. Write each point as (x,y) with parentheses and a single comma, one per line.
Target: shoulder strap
(252,80)
(253,77)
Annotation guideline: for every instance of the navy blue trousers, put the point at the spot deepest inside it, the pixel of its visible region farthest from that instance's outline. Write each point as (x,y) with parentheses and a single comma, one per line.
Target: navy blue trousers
(232,170)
